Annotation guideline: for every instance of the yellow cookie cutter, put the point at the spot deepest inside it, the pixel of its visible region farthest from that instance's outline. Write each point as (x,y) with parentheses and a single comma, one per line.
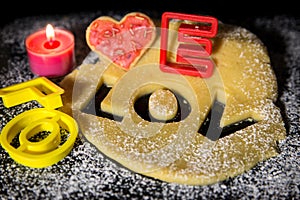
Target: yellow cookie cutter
(47,151)
(40,89)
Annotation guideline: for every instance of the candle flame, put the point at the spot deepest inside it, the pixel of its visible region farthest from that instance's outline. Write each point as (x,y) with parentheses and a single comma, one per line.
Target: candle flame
(50,33)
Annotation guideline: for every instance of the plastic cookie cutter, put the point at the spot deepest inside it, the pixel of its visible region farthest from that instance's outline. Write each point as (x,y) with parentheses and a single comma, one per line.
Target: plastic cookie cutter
(41,153)
(194,45)
(40,89)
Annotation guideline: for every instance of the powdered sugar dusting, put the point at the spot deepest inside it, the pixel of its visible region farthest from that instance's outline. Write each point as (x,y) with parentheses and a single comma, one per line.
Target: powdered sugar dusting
(85,173)
(163,104)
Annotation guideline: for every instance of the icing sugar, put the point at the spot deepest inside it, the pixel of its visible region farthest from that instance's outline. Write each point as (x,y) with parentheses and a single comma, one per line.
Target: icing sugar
(247,86)
(86,173)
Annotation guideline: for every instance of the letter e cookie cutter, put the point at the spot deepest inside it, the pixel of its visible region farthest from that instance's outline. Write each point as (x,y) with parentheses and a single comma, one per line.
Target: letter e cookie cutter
(195,47)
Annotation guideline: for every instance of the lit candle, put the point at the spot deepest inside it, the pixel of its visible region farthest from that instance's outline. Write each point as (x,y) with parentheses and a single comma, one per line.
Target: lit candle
(51,52)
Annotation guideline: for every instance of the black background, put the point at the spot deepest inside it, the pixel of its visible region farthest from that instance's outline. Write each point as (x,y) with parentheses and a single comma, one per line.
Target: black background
(221,9)
(88,169)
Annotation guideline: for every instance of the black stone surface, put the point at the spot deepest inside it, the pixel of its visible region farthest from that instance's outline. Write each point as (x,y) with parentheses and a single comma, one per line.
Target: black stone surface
(87,174)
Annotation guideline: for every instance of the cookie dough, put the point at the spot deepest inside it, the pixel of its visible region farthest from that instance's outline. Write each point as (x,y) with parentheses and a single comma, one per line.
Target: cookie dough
(162,105)
(179,151)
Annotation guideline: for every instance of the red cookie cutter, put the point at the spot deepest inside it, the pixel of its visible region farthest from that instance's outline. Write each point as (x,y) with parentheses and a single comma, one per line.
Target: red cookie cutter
(195,47)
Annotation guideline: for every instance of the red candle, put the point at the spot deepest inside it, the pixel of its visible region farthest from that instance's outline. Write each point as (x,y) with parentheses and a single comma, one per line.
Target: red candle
(51,52)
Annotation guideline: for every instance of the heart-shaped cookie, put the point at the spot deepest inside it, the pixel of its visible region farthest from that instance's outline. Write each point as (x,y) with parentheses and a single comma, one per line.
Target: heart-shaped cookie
(122,42)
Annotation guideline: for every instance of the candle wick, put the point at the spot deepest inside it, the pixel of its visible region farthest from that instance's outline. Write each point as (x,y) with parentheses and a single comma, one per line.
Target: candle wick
(51,43)
(51,40)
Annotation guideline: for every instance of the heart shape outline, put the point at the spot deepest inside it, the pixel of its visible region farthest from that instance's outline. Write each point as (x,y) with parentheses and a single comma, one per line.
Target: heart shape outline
(121,42)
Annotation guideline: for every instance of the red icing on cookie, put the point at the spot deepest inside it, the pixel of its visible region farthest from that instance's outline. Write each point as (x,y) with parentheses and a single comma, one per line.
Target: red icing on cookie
(123,42)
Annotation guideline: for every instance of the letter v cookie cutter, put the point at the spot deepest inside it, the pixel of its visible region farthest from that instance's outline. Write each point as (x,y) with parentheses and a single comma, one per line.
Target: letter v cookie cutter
(40,89)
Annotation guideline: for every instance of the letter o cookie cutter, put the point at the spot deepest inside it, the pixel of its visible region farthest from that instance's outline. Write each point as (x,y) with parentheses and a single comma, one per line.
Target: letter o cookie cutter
(42,153)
